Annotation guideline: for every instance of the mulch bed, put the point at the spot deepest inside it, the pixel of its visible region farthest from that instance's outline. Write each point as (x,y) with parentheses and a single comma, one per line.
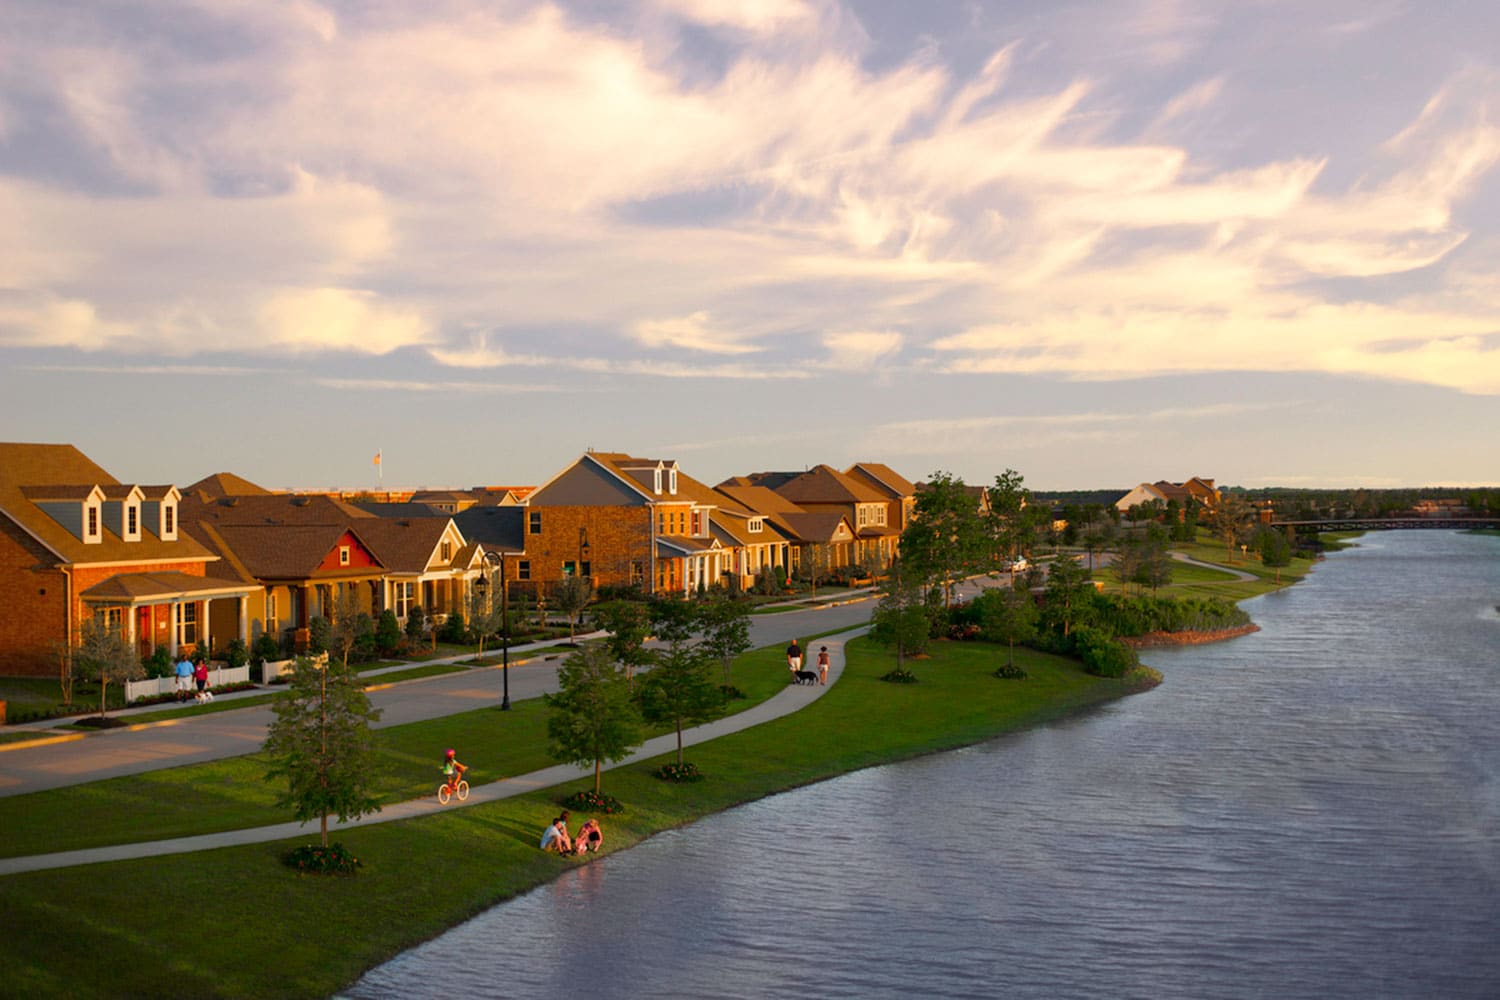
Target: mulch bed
(1151,639)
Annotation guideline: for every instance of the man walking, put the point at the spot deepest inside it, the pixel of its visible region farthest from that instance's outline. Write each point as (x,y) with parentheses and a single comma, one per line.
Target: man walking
(184,677)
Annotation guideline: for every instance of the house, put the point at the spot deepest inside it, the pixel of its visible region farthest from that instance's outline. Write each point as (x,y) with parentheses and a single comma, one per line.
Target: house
(866,509)
(900,492)
(1196,489)
(624,521)
(77,544)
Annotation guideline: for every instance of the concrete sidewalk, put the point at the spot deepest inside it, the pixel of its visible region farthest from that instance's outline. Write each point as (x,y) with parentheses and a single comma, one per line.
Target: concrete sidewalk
(790,700)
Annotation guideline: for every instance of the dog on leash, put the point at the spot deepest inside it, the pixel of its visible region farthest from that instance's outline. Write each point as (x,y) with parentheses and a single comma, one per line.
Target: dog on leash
(805,677)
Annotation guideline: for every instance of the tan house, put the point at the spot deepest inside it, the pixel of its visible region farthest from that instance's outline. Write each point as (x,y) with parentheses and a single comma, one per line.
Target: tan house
(866,509)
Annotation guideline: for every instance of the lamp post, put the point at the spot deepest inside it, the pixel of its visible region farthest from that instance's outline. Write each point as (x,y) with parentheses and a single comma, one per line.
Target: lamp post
(496,559)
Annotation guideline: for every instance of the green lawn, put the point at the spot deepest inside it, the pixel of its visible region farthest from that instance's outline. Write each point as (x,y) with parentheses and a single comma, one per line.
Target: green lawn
(106,930)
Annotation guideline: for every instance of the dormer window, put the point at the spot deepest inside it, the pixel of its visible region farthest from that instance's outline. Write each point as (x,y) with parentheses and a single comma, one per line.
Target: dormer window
(169,522)
(756,525)
(91,523)
(656,481)
(132,522)
(672,480)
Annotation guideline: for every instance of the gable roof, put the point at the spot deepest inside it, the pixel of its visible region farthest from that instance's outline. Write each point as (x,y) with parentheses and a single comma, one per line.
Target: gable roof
(883,478)
(497,529)
(408,545)
(823,484)
(33,473)
(288,551)
(225,484)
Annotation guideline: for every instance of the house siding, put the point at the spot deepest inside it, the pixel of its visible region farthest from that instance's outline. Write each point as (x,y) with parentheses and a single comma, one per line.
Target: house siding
(34,594)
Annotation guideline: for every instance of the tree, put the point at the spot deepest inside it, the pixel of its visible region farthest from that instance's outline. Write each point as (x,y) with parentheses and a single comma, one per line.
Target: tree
(1156,558)
(1275,551)
(946,538)
(1007,615)
(63,652)
(1068,594)
(726,631)
(387,633)
(486,612)
(350,625)
(817,560)
(320,743)
(104,653)
(593,717)
(902,621)
(677,692)
(1231,519)
(1008,521)
(628,624)
(570,596)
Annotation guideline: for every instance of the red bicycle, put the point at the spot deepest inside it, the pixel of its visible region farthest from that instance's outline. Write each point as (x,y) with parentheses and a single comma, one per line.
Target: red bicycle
(454,785)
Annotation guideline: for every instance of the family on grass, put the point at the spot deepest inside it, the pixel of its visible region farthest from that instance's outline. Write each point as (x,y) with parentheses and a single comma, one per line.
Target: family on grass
(556,838)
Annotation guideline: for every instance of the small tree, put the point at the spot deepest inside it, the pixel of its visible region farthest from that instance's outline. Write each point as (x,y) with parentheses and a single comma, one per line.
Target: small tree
(726,631)
(570,596)
(320,742)
(593,717)
(416,624)
(104,653)
(902,620)
(677,691)
(349,626)
(1068,594)
(486,615)
(387,633)
(1275,551)
(628,624)
(1007,615)
(63,653)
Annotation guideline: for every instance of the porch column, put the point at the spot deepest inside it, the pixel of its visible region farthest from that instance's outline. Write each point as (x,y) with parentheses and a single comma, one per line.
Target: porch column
(176,627)
(244,604)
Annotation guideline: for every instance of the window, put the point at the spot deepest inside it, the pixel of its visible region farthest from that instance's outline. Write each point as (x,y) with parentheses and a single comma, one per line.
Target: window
(656,481)
(698,523)
(672,481)
(343,555)
(585,568)
(110,619)
(187,625)
(756,525)
(132,521)
(569,568)
(168,521)
(534,522)
(523,570)
(446,551)
(402,596)
(271,618)
(91,522)
(637,573)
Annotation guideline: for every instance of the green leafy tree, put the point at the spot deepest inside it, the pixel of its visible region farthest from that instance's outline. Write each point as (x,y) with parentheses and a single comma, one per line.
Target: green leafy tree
(592,718)
(486,614)
(1009,523)
(1275,551)
(947,538)
(571,595)
(1008,615)
(320,743)
(678,692)
(1231,520)
(416,624)
(726,631)
(387,633)
(349,627)
(628,624)
(1156,558)
(902,621)
(105,655)
(1068,594)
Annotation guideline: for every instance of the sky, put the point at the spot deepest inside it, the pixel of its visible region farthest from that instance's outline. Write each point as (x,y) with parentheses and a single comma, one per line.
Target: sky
(1099,243)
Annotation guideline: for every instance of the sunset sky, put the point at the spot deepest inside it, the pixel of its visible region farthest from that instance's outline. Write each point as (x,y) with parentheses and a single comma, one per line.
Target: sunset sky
(1097,242)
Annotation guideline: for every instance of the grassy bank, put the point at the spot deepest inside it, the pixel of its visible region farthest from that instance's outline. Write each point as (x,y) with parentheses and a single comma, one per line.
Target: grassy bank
(235,922)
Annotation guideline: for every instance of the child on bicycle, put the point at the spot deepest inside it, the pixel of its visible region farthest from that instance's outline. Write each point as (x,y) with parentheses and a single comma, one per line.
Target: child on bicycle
(452,769)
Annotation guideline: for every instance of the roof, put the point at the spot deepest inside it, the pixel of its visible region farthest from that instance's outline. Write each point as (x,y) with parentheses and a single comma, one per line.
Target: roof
(270,508)
(60,472)
(823,484)
(150,588)
(498,529)
(882,477)
(407,545)
(225,484)
(287,551)
(402,510)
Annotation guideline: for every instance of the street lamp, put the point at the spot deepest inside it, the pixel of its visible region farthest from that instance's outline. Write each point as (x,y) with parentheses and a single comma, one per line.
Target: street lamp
(496,559)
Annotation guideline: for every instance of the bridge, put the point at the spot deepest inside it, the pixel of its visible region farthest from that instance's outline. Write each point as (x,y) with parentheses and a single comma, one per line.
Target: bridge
(1389,523)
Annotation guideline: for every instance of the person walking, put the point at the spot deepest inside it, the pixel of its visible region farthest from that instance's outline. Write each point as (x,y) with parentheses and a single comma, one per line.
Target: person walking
(184,671)
(823,664)
(794,657)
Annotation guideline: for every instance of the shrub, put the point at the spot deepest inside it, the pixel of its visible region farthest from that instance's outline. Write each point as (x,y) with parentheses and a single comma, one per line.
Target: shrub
(319,632)
(590,801)
(236,654)
(266,647)
(416,624)
(1102,654)
(900,676)
(314,859)
(454,630)
(730,692)
(387,633)
(1010,672)
(159,663)
(686,771)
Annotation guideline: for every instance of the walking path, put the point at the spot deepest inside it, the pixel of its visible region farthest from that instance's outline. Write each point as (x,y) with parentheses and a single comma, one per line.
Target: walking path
(792,699)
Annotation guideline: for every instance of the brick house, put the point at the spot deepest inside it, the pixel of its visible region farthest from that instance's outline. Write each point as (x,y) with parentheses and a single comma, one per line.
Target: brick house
(867,510)
(75,544)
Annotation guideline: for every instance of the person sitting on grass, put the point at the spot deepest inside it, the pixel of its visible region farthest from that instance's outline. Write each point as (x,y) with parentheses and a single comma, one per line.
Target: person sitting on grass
(555,837)
(589,838)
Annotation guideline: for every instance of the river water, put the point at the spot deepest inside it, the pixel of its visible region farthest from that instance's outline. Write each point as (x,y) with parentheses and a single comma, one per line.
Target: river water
(1310,811)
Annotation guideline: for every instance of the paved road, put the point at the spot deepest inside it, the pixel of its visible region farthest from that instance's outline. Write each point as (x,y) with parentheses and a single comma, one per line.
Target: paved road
(192,740)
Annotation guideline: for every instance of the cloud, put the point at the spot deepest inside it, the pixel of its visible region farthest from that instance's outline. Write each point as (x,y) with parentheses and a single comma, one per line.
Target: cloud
(861,351)
(323,319)
(693,333)
(758,17)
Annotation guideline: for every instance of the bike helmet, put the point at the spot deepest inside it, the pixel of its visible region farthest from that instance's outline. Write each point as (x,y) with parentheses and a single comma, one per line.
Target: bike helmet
(450,753)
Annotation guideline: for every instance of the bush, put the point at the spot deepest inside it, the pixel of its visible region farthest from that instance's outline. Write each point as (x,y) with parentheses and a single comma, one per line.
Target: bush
(454,630)
(686,771)
(416,624)
(1102,654)
(319,633)
(266,647)
(590,801)
(730,692)
(900,676)
(236,654)
(314,859)
(387,633)
(1010,672)
(159,663)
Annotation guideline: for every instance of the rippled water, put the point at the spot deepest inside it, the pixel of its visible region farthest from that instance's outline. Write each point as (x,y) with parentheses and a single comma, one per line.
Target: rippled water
(1310,811)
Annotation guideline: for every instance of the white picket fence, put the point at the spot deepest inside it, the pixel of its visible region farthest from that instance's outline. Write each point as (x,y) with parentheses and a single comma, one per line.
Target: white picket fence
(166,685)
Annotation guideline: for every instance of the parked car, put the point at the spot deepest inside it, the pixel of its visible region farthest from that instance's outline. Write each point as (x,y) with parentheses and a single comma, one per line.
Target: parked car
(1020,565)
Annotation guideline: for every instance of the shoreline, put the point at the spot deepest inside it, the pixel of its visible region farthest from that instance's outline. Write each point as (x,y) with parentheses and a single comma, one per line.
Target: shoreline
(1158,640)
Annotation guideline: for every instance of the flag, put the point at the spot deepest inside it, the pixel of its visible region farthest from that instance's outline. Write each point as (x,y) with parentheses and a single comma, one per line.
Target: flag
(377,458)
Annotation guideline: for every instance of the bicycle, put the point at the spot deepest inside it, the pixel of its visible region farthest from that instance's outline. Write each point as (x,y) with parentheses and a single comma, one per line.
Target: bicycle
(454,785)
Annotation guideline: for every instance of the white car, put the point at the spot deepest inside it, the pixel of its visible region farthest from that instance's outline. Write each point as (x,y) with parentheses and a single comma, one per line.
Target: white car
(1020,565)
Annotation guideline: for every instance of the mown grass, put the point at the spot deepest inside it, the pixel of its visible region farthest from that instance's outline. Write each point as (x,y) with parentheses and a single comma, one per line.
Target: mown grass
(231,794)
(235,922)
